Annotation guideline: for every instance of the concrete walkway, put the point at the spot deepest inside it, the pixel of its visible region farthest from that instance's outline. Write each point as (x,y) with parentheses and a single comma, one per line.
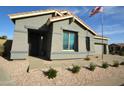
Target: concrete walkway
(5,79)
(109,82)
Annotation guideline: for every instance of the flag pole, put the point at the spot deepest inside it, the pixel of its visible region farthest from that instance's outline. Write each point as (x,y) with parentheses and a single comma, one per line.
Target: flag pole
(102,33)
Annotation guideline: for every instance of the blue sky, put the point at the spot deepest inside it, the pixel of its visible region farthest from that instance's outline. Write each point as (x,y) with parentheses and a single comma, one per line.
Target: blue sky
(113,22)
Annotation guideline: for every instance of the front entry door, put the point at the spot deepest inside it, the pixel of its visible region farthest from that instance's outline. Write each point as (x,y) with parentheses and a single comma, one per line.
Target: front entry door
(37,43)
(34,45)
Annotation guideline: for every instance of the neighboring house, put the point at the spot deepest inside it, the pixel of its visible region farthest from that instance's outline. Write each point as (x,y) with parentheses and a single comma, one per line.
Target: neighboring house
(54,34)
(116,48)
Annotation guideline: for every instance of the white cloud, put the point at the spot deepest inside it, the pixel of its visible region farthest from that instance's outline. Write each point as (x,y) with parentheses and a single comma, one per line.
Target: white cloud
(114,12)
(113,32)
(109,9)
(113,9)
(111,29)
(76,10)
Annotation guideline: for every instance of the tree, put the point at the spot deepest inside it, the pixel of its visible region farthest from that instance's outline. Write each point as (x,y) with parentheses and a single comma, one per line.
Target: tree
(3,37)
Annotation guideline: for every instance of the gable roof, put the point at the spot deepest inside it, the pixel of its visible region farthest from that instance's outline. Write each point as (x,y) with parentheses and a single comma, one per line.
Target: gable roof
(32,13)
(62,14)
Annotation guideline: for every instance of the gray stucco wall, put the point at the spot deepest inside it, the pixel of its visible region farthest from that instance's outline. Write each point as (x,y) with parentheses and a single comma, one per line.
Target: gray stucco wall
(20,40)
(57,51)
(54,40)
(99,41)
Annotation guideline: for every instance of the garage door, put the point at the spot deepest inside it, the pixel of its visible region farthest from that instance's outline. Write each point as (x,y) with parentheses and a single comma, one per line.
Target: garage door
(98,49)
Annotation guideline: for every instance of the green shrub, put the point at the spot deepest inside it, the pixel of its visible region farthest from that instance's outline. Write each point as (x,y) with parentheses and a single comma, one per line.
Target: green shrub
(87,58)
(75,69)
(97,57)
(113,53)
(116,64)
(51,73)
(92,66)
(3,37)
(122,63)
(105,65)
(121,53)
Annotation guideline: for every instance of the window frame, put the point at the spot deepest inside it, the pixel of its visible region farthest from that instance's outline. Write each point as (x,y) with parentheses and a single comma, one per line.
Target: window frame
(88,47)
(69,45)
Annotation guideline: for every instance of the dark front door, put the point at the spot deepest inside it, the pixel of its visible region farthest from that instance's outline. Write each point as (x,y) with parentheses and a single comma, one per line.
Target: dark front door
(37,41)
(34,45)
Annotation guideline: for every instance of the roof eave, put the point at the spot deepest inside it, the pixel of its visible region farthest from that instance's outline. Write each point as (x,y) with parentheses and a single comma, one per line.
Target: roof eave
(34,13)
(99,37)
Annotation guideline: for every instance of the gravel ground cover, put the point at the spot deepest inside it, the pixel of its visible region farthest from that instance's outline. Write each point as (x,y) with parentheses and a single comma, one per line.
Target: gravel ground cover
(17,69)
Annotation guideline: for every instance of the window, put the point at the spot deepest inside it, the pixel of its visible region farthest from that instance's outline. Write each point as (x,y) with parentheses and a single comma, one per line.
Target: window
(88,43)
(69,40)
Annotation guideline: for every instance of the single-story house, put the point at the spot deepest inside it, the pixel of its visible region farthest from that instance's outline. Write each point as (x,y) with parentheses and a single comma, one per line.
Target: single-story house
(54,34)
(116,48)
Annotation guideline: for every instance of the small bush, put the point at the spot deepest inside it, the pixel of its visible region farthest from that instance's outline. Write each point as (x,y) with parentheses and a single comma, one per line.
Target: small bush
(113,53)
(122,63)
(115,64)
(92,66)
(97,57)
(121,53)
(87,58)
(51,73)
(28,69)
(75,69)
(105,65)
(3,37)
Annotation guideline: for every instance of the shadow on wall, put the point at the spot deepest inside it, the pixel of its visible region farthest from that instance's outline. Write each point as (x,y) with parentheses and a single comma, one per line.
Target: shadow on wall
(7,48)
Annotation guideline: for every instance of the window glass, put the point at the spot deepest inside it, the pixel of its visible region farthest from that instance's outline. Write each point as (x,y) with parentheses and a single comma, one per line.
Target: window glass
(65,40)
(72,39)
(69,40)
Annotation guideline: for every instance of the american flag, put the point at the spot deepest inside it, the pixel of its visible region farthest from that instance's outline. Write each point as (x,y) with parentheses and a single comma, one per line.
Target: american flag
(96,10)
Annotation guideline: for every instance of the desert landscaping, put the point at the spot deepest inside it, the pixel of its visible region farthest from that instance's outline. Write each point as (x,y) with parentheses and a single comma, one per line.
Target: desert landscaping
(31,71)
